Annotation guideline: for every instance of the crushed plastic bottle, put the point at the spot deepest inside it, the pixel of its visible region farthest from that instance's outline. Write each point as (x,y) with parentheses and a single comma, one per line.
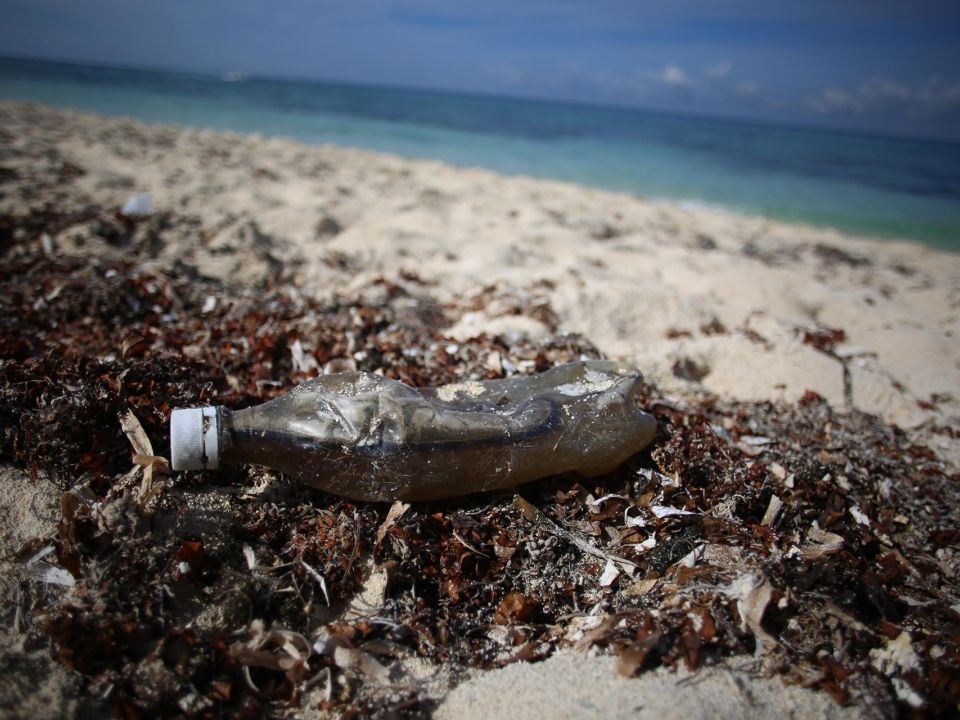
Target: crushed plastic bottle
(138,206)
(366,437)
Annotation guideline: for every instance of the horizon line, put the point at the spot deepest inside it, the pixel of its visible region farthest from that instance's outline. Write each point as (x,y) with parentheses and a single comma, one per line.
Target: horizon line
(807,126)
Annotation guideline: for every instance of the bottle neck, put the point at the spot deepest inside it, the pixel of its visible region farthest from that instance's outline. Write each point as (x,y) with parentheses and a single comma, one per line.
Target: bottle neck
(195,438)
(246,437)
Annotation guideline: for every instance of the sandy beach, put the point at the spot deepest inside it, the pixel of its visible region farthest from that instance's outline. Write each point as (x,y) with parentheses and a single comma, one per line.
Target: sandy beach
(759,320)
(728,297)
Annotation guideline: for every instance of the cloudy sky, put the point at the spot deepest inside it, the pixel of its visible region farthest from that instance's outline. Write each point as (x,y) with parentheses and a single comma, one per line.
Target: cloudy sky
(884,65)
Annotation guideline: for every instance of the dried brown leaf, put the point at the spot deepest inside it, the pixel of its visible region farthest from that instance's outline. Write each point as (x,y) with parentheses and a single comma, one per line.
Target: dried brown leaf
(514,608)
(396,511)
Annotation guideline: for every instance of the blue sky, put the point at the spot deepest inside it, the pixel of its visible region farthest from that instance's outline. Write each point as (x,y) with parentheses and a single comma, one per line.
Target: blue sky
(876,64)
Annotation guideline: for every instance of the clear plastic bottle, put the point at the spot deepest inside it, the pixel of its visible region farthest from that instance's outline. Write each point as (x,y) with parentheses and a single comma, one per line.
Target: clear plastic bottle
(366,437)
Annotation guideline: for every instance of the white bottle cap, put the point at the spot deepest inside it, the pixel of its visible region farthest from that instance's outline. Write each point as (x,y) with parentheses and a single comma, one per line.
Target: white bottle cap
(194,439)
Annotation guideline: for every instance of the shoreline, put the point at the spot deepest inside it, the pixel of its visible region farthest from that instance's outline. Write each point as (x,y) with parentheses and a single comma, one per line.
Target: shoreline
(218,75)
(924,218)
(684,203)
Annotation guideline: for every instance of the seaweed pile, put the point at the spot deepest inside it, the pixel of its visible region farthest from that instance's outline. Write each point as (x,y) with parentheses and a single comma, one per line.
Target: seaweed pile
(822,544)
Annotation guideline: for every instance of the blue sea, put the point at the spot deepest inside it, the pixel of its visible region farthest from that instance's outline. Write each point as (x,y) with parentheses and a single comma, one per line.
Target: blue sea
(866,184)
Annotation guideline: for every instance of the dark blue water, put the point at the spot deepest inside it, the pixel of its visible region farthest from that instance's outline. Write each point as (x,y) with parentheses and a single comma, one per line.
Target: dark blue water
(867,184)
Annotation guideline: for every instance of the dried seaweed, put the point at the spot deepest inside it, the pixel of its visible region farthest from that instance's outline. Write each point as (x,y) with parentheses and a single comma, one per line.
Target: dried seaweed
(822,543)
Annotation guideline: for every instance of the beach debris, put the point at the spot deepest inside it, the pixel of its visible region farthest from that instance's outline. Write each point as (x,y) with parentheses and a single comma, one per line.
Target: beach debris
(693,558)
(138,206)
(713,327)
(48,244)
(665,481)
(515,608)
(831,255)
(610,573)
(649,544)
(347,658)
(692,369)
(632,657)
(396,511)
(495,363)
(337,647)
(143,457)
(752,595)
(778,471)
(704,241)
(135,434)
(276,649)
(898,660)
(824,339)
(303,361)
(773,511)
(821,543)
(36,568)
(250,557)
(327,227)
(857,514)
(662,511)
(635,521)
(535,515)
(321,581)
(367,437)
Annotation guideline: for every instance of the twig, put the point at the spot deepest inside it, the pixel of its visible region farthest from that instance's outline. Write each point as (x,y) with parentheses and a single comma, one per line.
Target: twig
(467,545)
(534,514)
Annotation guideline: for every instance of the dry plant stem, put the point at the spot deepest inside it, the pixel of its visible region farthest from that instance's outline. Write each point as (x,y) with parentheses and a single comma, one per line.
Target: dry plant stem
(534,514)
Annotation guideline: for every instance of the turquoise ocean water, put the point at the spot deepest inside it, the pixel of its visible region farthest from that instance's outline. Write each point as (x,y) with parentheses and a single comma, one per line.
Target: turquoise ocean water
(868,184)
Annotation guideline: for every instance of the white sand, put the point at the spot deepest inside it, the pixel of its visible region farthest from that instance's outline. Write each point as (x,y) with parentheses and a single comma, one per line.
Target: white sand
(574,686)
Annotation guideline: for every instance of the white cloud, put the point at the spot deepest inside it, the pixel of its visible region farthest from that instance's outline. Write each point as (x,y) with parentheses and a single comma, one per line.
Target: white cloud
(882,95)
(507,74)
(718,71)
(670,75)
(747,89)
(833,100)
(939,97)
(879,90)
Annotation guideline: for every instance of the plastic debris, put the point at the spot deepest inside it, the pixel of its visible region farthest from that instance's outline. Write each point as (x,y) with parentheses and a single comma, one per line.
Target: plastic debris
(36,568)
(371,438)
(138,206)
(662,511)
